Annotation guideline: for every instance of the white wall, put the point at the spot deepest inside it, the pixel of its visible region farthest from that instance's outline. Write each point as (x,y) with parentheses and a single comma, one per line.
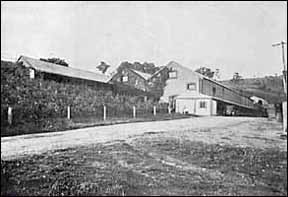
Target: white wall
(178,85)
(203,111)
(214,108)
(193,106)
(186,104)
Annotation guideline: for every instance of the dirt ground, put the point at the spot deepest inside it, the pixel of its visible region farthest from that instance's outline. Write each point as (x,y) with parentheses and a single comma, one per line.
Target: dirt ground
(197,156)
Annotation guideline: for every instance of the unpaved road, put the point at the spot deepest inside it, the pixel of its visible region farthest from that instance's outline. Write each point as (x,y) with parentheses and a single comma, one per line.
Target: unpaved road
(239,131)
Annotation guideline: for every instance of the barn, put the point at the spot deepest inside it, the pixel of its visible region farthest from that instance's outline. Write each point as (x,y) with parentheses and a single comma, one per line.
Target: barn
(134,82)
(63,74)
(51,71)
(187,91)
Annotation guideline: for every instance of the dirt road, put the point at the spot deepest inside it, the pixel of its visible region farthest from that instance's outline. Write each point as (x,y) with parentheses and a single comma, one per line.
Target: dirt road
(239,131)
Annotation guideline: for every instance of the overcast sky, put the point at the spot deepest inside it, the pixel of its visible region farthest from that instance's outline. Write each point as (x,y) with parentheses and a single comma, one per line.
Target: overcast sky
(231,36)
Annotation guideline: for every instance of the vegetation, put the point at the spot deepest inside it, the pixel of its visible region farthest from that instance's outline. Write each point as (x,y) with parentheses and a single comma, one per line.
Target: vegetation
(206,72)
(103,67)
(42,104)
(149,165)
(156,84)
(56,60)
(149,68)
(269,88)
(236,77)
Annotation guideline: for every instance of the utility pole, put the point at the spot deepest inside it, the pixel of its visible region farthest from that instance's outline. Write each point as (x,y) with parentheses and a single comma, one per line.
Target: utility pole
(284,104)
(282,43)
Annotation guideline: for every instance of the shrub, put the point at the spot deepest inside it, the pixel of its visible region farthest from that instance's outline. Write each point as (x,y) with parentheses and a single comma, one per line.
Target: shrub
(37,100)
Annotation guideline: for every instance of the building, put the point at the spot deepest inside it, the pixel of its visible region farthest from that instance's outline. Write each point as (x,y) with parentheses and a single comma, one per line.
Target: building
(134,82)
(258,100)
(51,71)
(99,81)
(187,91)
(132,78)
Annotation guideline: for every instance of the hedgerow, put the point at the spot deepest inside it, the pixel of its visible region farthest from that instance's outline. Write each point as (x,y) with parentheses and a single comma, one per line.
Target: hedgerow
(38,100)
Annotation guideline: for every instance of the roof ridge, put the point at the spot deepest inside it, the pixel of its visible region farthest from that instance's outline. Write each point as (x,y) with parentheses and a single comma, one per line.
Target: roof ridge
(64,70)
(65,67)
(139,71)
(205,77)
(141,74)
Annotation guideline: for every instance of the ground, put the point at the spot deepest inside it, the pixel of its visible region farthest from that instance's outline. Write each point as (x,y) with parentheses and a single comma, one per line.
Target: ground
(196,156)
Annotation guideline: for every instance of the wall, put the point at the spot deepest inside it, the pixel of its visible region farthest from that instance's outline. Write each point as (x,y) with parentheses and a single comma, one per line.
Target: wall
(193,106)
(188,104)
(178,85)
(132,78)
(206,87)
(214,108)
(203,111)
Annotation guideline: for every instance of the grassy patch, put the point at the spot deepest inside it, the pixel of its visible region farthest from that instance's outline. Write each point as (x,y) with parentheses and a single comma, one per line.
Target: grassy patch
(148,165)
(62,124)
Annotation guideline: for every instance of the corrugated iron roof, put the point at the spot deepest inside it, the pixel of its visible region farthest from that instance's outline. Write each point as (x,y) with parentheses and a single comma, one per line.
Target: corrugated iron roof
(146,76)
(160,70)
(62,70)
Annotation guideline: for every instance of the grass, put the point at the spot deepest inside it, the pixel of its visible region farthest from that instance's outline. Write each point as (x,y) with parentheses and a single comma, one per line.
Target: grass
(148,165)
(62,124)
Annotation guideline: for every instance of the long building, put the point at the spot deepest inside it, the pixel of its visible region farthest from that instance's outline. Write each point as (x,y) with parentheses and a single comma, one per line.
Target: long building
(190,92)
(51,71)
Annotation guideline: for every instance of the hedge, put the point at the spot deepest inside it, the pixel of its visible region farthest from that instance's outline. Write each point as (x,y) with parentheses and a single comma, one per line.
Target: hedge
(39,100)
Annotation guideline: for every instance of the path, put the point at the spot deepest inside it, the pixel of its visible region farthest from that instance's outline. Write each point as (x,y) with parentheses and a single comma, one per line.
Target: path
(242,130)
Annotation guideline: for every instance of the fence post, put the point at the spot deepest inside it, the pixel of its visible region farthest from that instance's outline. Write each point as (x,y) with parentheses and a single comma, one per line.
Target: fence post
(154,110)
(10,115)
(134,112)
(104,112)
(68,113)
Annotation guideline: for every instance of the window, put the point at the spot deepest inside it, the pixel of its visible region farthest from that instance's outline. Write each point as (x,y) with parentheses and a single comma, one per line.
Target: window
(136,82)
(191,86)
(214,91)
(32,73)
(125,78)
(202,104)
(172,74)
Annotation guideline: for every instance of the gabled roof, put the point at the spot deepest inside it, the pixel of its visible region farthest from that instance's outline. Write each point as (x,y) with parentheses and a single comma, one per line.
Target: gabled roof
(62,70)
(173,63)
(160,70)
(145,76)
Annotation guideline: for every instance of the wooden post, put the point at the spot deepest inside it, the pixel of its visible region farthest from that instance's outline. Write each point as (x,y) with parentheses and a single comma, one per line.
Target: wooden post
(284,108)
(134,112)
(68,113)
(104,112)
(169,110)
(10,115)
(154,110)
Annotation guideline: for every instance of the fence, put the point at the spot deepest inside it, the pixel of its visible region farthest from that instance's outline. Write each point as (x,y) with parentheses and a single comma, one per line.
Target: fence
(16,115)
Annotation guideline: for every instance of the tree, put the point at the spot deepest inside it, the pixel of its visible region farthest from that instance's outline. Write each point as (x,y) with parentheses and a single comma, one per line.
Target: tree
(55,60)
(205,71)
(217,75)
(149,68)
(236,77)
(103,67)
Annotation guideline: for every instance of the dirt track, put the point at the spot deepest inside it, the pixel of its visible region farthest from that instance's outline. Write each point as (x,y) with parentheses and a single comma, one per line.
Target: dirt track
(239,131)
(217,156)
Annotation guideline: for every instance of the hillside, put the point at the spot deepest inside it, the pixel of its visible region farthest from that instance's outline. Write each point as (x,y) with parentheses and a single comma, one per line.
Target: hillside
(270,88)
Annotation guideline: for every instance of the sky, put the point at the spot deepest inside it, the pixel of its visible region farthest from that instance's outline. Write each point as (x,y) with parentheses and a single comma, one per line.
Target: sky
(229,36)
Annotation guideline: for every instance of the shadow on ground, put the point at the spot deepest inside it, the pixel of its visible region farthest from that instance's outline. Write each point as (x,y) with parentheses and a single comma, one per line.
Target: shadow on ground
(148,165)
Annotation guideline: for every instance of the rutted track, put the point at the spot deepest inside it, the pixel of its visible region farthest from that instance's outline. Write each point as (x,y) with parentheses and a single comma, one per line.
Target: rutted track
(230,130)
